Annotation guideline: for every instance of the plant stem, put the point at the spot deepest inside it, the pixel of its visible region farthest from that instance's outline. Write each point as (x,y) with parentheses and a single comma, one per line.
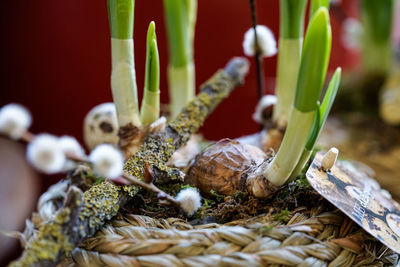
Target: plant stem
(292,146)
(313,67)
(377,18)
(151,188)
(123,76)
(257,55)
(181,18)
(290,44)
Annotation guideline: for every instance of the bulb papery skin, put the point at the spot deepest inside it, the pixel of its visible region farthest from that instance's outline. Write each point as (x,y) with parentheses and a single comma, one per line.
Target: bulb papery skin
(107,161)
(15,120)
(45,154)
(190,200)
(266,42)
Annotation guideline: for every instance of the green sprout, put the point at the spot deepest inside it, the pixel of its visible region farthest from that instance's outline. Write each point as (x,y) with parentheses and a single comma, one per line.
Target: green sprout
(316,4)
(313,67)
(290,43)
(321,115)
(377,18)
(123,77)
(181,20)
(150,109)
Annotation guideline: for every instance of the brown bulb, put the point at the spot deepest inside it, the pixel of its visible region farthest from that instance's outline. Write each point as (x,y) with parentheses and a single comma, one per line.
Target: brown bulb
(224,167)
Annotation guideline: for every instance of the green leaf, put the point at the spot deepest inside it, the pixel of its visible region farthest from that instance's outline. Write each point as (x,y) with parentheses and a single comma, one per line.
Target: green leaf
(120,15)
(152,76)
(292,18)
(314,61)
(316,4)
(176,12)
(330,96)
(315,128)
(323,110)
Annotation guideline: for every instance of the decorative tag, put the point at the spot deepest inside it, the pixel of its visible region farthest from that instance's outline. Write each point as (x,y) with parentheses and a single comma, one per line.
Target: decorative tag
(359,197)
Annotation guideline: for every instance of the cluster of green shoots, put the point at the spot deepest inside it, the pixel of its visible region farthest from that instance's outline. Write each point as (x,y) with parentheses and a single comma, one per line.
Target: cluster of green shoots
(301,76)
(181,17)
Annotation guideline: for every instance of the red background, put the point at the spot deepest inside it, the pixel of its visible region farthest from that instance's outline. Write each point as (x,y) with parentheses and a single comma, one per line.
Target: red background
(55,59)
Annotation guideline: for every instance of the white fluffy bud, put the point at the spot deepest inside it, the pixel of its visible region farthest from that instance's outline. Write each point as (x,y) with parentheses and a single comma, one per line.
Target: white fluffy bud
(46,154)
(190,200)
(107,161)
(266,42)
(265,102)
(14,120)
(352,33)
(71,146)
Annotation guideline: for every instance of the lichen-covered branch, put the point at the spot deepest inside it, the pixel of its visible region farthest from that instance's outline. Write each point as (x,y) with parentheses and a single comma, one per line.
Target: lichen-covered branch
(82,218)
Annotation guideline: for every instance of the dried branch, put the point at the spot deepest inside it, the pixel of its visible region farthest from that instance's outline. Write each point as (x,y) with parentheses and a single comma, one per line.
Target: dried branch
(76,221)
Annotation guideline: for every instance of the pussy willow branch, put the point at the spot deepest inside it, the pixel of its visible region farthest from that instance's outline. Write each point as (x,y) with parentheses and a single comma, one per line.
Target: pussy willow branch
(257,56)
(81,219)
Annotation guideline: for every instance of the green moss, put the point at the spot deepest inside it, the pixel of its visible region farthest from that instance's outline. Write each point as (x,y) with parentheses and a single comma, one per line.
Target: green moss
(50,243)
(282,216)
(217,196)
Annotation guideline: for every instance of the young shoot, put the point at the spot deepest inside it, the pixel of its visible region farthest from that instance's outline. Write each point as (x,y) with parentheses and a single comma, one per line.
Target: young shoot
(377,18)
(150,109)
(319,121)
(316,4)
(313,67)
(123,77)
(290,44)
(181,20)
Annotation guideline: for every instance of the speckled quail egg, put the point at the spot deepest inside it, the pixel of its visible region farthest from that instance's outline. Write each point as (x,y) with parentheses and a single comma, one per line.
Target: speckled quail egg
(101,125)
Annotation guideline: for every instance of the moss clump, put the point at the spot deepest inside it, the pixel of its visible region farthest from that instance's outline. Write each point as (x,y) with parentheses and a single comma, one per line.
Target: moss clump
(100,203)
(282,216)
(50,243)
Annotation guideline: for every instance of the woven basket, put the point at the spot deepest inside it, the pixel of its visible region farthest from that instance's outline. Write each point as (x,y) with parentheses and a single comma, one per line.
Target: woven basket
(309,238)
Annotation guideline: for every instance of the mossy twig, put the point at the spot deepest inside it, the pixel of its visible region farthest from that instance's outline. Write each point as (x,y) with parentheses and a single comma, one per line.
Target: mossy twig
(102,202)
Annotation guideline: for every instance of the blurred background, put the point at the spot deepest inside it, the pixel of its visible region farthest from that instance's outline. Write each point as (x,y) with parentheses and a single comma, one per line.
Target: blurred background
(55,60)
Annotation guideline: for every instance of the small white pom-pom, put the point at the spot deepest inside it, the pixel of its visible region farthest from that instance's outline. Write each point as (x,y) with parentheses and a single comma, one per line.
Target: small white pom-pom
(71,146)
(45,154)
(107,161)
(266,42)
(264,103)
(352,33)
(190,200)
(14,120)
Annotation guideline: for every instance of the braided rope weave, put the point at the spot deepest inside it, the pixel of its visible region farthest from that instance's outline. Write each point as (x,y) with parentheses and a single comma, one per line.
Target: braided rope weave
(319,239)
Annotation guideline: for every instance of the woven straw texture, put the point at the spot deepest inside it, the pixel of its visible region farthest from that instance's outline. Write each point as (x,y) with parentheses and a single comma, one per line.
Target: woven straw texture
(309,238)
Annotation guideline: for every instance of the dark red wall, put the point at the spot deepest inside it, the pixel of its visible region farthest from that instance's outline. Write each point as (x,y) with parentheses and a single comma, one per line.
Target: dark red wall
(55,58)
